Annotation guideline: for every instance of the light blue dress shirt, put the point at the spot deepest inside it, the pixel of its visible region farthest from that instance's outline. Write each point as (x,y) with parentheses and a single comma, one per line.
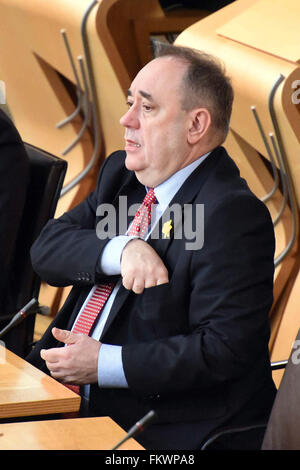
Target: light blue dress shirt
(110,367)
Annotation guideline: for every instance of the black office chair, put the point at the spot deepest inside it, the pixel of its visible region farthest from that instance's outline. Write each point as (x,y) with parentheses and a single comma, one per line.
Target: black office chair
(47,173)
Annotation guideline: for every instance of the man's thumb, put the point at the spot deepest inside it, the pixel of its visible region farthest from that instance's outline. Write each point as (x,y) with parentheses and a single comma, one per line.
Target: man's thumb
(64,336)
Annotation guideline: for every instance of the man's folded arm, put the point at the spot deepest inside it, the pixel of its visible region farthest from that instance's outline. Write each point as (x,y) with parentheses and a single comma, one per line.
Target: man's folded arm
(67,250)
(110,260)
(66,253)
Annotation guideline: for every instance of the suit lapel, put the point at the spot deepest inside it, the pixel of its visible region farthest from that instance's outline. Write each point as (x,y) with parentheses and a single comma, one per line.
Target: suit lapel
(186,195)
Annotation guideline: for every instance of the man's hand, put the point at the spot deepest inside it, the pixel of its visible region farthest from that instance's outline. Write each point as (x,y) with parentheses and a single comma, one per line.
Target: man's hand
(75,364)
(141,267)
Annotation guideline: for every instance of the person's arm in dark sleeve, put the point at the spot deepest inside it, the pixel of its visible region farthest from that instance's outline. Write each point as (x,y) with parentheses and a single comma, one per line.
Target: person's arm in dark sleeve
(68,250)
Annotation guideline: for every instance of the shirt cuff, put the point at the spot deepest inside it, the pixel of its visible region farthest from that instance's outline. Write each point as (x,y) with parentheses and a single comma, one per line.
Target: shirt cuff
(110,262)
(110,367)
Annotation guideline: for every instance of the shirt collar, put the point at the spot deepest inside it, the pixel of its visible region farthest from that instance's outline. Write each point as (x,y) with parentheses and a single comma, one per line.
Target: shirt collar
(165,191)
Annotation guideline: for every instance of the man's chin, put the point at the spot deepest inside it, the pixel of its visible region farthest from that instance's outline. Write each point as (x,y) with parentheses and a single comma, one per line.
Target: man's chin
(141,173)
(132,164)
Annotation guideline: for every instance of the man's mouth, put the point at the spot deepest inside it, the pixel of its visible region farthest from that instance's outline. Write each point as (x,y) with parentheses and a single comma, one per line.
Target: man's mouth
(131,143)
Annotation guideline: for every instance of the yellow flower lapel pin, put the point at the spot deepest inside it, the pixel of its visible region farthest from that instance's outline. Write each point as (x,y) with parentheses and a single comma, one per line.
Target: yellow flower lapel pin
(166,229)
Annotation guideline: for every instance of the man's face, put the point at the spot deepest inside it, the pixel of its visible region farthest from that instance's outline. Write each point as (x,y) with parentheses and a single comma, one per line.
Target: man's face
(156,125)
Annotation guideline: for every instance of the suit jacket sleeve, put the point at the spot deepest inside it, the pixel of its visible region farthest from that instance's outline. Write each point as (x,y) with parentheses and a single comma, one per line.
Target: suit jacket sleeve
(231,282)
(68,249)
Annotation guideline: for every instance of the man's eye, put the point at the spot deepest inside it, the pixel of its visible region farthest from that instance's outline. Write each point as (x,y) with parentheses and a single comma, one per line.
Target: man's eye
(147,108)
(129,104)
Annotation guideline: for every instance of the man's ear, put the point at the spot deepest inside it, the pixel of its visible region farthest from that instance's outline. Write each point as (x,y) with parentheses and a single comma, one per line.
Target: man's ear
(200,122)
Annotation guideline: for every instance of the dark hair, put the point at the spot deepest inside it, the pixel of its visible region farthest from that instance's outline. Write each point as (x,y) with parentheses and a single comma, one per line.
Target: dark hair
(204,83)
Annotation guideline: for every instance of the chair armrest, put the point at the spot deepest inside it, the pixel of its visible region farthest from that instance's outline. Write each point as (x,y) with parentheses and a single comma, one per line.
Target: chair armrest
(238,429)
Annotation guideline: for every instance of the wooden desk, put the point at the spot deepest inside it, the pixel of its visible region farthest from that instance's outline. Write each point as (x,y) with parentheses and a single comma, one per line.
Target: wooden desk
(26,391)
(64,434)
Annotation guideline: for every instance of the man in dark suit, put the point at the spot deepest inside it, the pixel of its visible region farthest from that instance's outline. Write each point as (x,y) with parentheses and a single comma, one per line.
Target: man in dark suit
(14,176)
(185,330)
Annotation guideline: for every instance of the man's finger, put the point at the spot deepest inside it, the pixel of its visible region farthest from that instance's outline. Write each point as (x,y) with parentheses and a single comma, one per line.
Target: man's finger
(51,355)
(138,287)
(64,336)
(162,281)
(127,282)
(53,366)
(150,282)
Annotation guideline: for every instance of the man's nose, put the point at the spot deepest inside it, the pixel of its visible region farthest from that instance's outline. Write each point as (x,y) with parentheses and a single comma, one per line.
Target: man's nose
(130,119)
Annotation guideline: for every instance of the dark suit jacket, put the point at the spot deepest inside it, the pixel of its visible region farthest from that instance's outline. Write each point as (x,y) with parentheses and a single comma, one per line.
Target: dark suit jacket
(14,175)
(196,349)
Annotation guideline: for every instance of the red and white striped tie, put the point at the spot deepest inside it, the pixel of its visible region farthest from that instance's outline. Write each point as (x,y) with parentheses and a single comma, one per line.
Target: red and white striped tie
(95,304)
(93,307)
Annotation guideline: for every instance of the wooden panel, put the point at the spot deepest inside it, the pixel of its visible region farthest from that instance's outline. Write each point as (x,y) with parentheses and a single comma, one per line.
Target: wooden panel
(253,74)
(37,96)
(145,28)
(26,391)
(278,34)
(65,434)
(40,84)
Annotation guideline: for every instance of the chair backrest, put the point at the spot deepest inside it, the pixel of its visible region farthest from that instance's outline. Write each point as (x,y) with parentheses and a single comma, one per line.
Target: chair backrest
(283,429)
(47,173)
